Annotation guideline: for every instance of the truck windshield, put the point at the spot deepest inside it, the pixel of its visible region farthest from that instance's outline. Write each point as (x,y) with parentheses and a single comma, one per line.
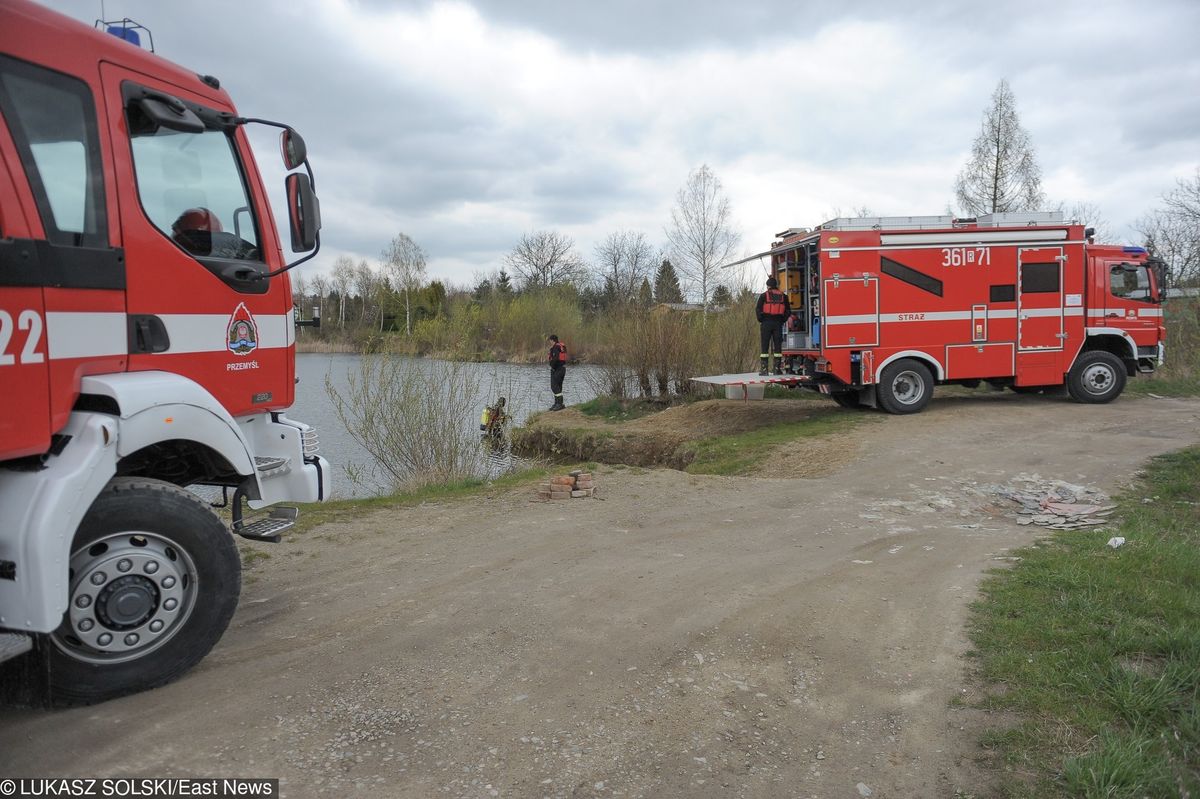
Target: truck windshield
(1130,281)
(192,190)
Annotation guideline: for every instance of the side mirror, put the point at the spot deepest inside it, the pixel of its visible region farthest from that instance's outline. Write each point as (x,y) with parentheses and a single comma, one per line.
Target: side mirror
(304,211)
(165,111)
(291,144)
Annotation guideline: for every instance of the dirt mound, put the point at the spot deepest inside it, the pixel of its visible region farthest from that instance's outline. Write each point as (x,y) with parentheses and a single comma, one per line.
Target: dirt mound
(659,439)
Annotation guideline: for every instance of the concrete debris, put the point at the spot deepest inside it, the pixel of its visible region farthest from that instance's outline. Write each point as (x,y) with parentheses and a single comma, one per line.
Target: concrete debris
(1055,504)
(1116,541)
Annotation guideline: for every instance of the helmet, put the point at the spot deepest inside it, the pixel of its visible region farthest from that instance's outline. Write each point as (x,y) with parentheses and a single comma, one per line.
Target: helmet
(772,283)
(197,219)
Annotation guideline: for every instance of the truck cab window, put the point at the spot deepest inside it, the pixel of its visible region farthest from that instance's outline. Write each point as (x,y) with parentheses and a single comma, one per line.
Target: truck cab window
(191,188)
(52,119)
(1129,282)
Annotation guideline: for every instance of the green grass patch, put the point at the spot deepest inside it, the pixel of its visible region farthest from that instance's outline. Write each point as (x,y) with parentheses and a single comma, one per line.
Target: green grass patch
(740,453)
(1098,649)
(615,409)
(1186,386)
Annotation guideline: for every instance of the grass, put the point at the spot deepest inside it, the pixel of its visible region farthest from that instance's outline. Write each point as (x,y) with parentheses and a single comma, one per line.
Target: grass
(317,513)
(1098,649)
(740,453)
(614,409)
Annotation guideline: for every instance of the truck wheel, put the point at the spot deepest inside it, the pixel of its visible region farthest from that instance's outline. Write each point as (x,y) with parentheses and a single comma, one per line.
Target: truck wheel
(846,399)
(154,581)
(1096,377)
(905,386)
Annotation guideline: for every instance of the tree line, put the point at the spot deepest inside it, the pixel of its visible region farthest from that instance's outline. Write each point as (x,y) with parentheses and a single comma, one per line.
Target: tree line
(544,282)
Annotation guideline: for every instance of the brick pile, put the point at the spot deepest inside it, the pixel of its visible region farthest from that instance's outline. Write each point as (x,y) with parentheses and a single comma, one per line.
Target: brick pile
(569,486)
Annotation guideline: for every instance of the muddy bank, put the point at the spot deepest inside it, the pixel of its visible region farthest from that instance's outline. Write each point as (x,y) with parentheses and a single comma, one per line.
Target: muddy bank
(667,438)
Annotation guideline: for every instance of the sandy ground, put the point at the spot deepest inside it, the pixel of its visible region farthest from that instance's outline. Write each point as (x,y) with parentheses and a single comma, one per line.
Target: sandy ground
(679,636)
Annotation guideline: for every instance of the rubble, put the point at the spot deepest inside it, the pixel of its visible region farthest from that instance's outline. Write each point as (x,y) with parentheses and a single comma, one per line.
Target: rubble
(575,485)
(1056,504)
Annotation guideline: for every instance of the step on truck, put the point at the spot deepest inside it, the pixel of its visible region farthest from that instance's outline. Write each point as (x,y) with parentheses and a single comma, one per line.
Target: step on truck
(889,307)
(147,344)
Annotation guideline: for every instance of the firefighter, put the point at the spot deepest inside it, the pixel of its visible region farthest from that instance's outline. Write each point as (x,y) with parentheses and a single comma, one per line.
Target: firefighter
(194,230)
(772,311)
(493,419)
(558,370)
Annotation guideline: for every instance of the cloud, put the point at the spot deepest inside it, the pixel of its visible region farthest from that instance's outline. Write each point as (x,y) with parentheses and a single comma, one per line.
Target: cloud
(465,124)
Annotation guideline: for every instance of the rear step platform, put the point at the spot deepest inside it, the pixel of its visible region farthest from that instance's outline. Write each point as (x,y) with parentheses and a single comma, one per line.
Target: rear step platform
(13,644)
(270,527)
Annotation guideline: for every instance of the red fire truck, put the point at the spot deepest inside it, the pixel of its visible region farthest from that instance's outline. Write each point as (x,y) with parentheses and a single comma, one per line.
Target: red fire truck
(889,307)
(146,344)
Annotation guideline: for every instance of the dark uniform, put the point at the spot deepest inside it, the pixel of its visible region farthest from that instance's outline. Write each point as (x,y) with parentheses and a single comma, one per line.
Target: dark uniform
(772,310)
(558,371)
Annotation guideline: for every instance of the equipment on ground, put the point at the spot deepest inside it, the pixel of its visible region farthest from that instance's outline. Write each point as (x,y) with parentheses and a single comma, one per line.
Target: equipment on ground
(888,307)
(146,345)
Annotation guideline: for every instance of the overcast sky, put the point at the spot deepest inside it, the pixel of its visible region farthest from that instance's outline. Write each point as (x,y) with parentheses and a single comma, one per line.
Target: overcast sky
(466,124)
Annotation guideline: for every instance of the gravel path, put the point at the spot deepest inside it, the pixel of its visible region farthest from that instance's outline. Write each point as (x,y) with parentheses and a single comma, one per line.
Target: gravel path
(679,636)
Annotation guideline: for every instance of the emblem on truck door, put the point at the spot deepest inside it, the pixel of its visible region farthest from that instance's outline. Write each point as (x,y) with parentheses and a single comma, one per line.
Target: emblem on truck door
(241,335)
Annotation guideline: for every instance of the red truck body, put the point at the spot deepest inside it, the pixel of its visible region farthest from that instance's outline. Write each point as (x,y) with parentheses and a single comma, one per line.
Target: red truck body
(1014,299)
(146,345)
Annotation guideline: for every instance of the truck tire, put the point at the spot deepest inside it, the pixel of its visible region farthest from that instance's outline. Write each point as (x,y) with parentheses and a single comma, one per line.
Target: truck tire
(1096,377)
(905,386)
(154,580)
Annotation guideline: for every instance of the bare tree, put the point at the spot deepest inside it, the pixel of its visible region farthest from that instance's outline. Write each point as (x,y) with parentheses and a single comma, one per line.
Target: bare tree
(341,278)
(623,260)
(320,290)
(404,261)
(364,286)
(1089,214)
(701,234)
(1002,173)
(1172,232)
(545,258)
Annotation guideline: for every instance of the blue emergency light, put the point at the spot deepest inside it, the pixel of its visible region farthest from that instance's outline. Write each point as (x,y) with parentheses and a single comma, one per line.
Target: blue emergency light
(126,30)
(1134,250)
(128,34)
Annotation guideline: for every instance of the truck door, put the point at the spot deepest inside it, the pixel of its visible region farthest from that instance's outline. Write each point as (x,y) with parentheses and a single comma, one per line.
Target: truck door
(194,218)
(61,283)
(1039,299)
(24,368)
(851,311)
(1129,303)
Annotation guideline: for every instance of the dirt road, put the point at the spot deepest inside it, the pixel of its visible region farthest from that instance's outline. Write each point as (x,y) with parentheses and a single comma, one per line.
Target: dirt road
(683,636)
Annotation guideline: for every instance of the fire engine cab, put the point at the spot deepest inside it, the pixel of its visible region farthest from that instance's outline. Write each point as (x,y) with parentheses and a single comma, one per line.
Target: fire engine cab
(889,307)
(146,344)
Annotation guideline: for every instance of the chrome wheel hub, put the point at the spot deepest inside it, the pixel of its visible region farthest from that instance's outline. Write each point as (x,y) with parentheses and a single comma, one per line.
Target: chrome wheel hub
(1098,378)
(908,387)
(130,593)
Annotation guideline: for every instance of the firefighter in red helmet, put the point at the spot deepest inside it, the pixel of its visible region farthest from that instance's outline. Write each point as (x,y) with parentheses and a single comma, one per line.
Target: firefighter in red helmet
(194,229)
(772,310)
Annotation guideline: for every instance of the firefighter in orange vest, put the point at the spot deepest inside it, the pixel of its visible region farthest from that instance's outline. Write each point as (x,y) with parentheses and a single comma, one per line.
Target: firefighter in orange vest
(558,370)
(772,311)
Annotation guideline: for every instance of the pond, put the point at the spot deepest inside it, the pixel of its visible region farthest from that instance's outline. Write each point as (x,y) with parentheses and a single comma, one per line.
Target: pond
(526,387)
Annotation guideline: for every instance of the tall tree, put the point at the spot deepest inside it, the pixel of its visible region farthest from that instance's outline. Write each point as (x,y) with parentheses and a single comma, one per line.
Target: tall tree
(364,286)
(722,296)
(320,289)
(545,258)
(666,284)
(701,233)
(623,260)
(341,278)
(404,261)
(1002,173)
(645,293)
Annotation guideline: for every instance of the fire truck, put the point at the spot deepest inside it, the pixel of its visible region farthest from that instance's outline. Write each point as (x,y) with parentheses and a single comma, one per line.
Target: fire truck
(889,307)
(147,344)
